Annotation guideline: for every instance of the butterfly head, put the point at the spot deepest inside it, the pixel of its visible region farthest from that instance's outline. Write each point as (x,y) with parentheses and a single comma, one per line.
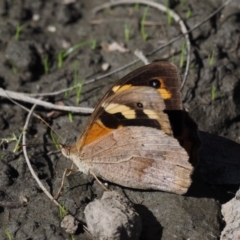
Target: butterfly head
(71,152)
(68,150)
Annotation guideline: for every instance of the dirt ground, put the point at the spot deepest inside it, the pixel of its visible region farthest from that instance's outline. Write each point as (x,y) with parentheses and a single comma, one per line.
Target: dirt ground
(33,34)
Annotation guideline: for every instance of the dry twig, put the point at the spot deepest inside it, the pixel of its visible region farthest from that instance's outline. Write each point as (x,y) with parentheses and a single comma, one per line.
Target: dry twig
(25,98)
(28,161)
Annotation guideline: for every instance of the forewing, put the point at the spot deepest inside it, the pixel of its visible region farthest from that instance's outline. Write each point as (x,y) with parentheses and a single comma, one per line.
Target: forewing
(121,106)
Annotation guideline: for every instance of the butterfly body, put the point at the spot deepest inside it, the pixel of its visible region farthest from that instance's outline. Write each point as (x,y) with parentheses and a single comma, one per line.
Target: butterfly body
(129,139)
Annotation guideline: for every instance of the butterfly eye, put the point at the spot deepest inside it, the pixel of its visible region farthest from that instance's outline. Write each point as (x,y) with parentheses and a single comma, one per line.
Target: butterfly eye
(155,83)
(139,105)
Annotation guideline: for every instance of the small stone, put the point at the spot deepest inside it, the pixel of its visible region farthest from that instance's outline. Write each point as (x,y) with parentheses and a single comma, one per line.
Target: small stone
(51,28)
(105,66)
(230,212)
(36,17)
(69,224)
(112,218)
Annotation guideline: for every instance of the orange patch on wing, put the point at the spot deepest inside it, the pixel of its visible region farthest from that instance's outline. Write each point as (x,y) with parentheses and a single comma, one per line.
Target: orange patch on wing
(119,88)
(97,131)
(163,90)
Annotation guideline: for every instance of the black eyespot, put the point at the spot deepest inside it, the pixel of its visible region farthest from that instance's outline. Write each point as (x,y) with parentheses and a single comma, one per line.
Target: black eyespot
(139,105)
(155,83)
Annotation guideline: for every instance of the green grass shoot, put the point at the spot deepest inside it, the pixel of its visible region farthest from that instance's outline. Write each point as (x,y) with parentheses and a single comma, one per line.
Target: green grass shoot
(93,44)
(54,140)
(77,86)
(8,140)
(8,234)
(183,2)
(18,31)
(188,13)
(62,211)
(143,32)
(77,82)
(72,237)
(213,93)
(63,55)
(14,69)
(18,140)
(46,64)
(60,59)
(127,32)
(75,47)
(211,58)
(182,56)
(70,117)
(66,94)
(137,5)
(192,65)
(107,10)
(169,16)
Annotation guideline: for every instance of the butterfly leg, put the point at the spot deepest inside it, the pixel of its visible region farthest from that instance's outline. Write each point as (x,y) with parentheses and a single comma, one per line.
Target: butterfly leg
(70,170)
(103,186)
(65,174)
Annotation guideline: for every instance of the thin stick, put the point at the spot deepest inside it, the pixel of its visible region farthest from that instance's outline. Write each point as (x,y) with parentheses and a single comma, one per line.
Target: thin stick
(25,98)
(28,161)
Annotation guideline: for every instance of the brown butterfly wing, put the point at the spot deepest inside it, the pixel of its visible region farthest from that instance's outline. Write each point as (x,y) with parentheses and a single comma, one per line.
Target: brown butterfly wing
(129,138)
(160,76)
(141,158)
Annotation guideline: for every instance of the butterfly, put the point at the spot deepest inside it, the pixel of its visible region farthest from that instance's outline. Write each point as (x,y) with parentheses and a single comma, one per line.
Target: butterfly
(139,136)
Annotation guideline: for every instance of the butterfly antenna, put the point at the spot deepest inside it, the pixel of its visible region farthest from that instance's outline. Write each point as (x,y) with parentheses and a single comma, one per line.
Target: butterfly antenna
(39,117)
